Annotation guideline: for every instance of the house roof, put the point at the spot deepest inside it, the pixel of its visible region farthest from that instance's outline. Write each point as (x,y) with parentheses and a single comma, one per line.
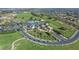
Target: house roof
(32,23)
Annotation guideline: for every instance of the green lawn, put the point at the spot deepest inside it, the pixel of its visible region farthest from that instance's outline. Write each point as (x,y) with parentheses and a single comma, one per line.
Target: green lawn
(28,45)
(23,16)
(69,32)
(68,29)
(7,39)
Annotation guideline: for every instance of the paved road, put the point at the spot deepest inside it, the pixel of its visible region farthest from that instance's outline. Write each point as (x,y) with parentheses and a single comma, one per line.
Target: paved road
(63,41)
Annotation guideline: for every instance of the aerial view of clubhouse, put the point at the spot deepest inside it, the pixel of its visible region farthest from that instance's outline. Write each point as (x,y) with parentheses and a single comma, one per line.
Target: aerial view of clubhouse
(39,28)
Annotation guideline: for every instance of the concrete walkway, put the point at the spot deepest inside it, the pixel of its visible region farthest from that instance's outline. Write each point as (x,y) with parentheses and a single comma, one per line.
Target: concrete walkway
(13,44)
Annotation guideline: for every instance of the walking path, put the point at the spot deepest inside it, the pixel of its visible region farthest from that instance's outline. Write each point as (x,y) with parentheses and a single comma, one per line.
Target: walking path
(13,44)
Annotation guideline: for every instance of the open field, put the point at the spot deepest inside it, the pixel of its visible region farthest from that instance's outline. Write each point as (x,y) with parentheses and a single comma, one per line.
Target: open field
(23,16)
(7,39)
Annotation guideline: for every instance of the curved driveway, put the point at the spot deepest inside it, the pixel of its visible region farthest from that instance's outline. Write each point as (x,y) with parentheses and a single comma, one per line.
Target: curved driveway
(63,40)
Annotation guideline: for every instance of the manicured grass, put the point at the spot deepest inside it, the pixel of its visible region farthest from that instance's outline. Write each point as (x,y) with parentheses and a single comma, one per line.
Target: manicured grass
(7,39)
(44,17)
(28,45)
(7,32)
(69,31)
(23,16)
(54,24)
